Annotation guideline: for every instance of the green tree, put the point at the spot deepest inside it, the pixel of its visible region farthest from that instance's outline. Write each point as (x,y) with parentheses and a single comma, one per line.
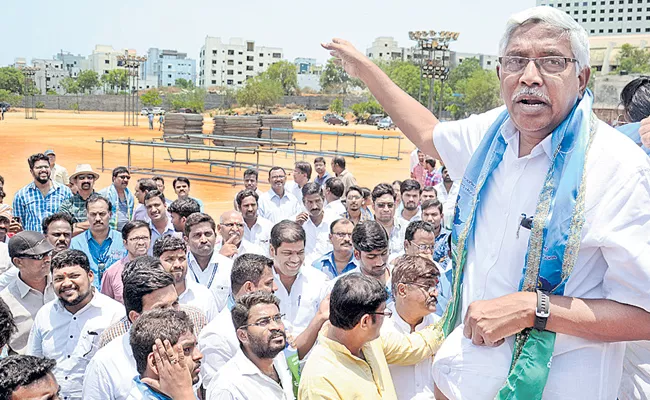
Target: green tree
(260,92)
(337,106)
(116,79)
(87,80)
(151,98)
(69,85)
(13,99)
(633,60)
(184,83)
(463,71)
(334,79)
(51,92)
(285,73)
(12,79)
(193,99)
(405,75)
(481,92)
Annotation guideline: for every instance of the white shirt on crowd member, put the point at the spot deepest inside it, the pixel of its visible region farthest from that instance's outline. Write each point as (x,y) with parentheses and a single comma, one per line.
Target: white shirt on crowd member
(448,200)
(317,239)
(260,234)
(111,371)
(410,381)
(301,305)
(72,339)
(334,209)
(610,264)
(276,209)
(245,247)
(215,277)
(8,276)
(241,379)
(199,296)
(218,343)
(293,188)
(5,260)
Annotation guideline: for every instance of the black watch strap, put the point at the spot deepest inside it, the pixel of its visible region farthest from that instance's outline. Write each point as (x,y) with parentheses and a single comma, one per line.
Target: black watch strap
(542,311)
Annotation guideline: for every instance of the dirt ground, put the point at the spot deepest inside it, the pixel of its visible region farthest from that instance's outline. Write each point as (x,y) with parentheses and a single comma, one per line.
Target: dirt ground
(74,139)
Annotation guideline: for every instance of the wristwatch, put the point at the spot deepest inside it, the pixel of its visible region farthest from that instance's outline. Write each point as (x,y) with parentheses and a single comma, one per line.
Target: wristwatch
(542,311)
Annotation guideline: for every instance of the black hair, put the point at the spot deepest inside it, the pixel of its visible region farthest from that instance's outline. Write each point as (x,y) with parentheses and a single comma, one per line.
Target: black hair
(155,193)
(368,236)
(19,370)
(312,188)
(339,221)
(95,197)
(415,226)
(319,160)
(146,185)
(635,99)
(276,169)
(354,188)
(410,184)
(382,189)
(163,324)
(304,167)
(181,179)
(7,324)
(243,306)
(339,160)
(251,171)
(198,218)
(120,170)
(158,178)
(184,207)
(68,258)
(141,277)
(59,216)
(431,203)
(353,296)
(335,186)
(168,243)
(132,225)
(430,189)
(246,193)
(248,268)
(34,158)
(287,231)
(431,162)
(365,192)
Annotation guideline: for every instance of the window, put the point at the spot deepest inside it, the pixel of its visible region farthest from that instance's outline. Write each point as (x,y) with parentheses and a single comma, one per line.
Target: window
(214,52)
(638,29)
(584,20)
(169,76)
(249,68)
(261,64)
(629,10)
(628,30)
(231,52)
(248,77)
(240,53)
(591,31)
(214,82)
(250,46)
(230,72)
(602,20)
(629,18)
(619,30)
(620,10)
(600,31)
(620,18)
(214,72)
(593,11)
(638,18)
(229,81)
(277,55)
(107,62)
(105,72)
(593,20)
(648,18)
(611,19)
(261,54)
(239,82)
(239,72)
(611,10)
(239,63)
(250,58)
(231,62)
(610,30)
(584,11)
(169,66)
(647,29)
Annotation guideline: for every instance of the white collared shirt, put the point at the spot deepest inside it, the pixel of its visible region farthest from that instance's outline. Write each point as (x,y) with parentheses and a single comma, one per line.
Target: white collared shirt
(218,343)
(199,296)
(215,277)
(334,210)
(169,230)
(240,379)
(301,305)
(8,276)
(24,303)
(72,339)
(612,262)
(412,381)
(317,239)
(293,188)
(5,260)
(260,234)
(448,200)
(111,371)
(276,209)
(245,247)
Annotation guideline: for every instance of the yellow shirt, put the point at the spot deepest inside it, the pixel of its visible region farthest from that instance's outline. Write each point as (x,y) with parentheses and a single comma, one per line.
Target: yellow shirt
(332,372)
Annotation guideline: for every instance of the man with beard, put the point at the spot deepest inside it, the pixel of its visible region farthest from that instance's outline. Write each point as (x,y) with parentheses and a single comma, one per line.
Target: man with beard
(172,252)
(120,197)
(384,204)
(67,330)
(58,173)
(259,370)
(31,253)
(84,179)
(414,284)
(136,236)
(320,166)
(160,221)
(301,175)
(142,187)
(207,266)
(278,204)
(313,221)
(410,190)
(353,203)
(40,198)
(179,210)
(341,259)
(103,244)
(181,186)
(166,355)
(338,167)
(218,340)
(231,229)
(447,193)
(257,230)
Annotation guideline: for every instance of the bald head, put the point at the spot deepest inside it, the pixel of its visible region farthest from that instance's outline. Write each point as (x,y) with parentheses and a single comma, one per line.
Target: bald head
(231,227)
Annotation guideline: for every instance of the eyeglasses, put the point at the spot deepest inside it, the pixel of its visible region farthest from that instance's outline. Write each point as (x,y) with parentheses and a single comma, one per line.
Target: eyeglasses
(233,225)
(386,313)
(124,177)
(139,239)
(423,247)
(430,290)
(342,235)
(385,205)
(264,322)
(36,257)
(551,65)
(354,197)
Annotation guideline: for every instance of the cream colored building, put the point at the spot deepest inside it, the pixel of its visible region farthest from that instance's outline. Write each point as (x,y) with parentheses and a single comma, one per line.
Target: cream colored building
(605,50)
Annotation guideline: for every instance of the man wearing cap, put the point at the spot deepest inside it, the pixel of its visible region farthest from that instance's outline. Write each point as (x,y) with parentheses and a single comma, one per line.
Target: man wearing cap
(84,179)
(59,173)
(30,252)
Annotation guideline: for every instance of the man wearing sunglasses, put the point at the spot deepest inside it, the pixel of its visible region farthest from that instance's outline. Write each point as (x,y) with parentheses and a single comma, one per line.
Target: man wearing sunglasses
(259,370)
(31,253)
(84,179)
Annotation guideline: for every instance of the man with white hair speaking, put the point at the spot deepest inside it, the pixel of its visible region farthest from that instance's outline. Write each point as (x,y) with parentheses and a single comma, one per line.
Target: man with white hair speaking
(550,248)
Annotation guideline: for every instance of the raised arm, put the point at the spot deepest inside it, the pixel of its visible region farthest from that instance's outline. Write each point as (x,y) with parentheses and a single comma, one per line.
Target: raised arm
(413,119)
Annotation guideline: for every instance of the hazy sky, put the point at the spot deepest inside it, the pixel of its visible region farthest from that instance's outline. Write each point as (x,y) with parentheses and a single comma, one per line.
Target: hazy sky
(41,28)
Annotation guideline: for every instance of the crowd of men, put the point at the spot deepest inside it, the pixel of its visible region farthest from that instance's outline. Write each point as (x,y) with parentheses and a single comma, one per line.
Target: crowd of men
(322,289)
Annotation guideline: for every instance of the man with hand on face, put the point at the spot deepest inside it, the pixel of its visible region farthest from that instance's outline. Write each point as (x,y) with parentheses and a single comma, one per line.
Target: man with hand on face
(218,343)
(181,186)
(167,356)
(136,236)
(41,198)
(384,203)
(259,370)
(278,204)
(257,230)
(160,221)
(414,292)
(103,244)
(179,210)
(172,253)
(231,229)
(84,179)
(67,330)
(314,223)
(206,266)
(341,259)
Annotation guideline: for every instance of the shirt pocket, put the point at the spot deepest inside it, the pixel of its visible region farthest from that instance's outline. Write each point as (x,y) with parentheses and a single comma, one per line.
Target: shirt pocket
(88,344)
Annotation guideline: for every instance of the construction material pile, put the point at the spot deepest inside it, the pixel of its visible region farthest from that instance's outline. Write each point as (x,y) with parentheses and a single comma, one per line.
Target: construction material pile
(240,126)
(183,124)
(276,121)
